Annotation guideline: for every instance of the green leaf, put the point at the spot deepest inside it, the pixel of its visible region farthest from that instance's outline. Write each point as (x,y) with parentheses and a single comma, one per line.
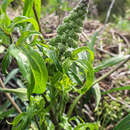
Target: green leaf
(116,89)
(97,94)
(124,124)
(38,7)
(4,21)
(24,66)
(19,82)
(89,72)
(93,41)
(28,6)
(11,75)
(4,38)
(84,48)
(38,68)
(23,19)
(5,62)
(22,61)
(32,67)
(66,65)
(85,126)
(52,55)
(4,5)
(26,35)
(65,123)
(5,113)
(20,92)
(110,62)
(16,120)
(23,120)
(87,67)
(76,77)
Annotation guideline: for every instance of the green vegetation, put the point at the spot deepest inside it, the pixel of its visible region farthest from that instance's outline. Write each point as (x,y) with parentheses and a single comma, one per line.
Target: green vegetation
(54,75)
(119,8)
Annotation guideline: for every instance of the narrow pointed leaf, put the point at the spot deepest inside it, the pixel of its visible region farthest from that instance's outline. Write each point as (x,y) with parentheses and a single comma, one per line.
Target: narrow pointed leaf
(20,92)
(110,62)
(26,35)
(93,41)
(4,19)
(5,62)
(4,5)
(116,89)
(97,94)
(11,75)
(28,6)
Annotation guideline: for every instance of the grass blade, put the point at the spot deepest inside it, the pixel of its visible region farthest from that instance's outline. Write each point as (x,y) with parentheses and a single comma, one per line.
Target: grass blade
(116,89)
(110,62)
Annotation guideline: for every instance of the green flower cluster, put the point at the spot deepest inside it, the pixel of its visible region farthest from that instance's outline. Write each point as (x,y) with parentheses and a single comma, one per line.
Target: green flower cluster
(68,31)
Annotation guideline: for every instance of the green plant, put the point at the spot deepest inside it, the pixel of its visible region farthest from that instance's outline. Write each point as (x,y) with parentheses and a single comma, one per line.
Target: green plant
(119,8)
(122,24)
(110,111)
(123,124)
(52,70)
(57,6)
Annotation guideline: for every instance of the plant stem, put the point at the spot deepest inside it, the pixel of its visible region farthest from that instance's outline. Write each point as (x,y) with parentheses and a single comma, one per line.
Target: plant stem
(73,105)
(10,98)
(35,13)
(6,90)
(35,117)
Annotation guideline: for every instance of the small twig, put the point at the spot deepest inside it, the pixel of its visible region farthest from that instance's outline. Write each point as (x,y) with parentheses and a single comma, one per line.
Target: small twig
(105,51)
(10,98)
(50,35)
